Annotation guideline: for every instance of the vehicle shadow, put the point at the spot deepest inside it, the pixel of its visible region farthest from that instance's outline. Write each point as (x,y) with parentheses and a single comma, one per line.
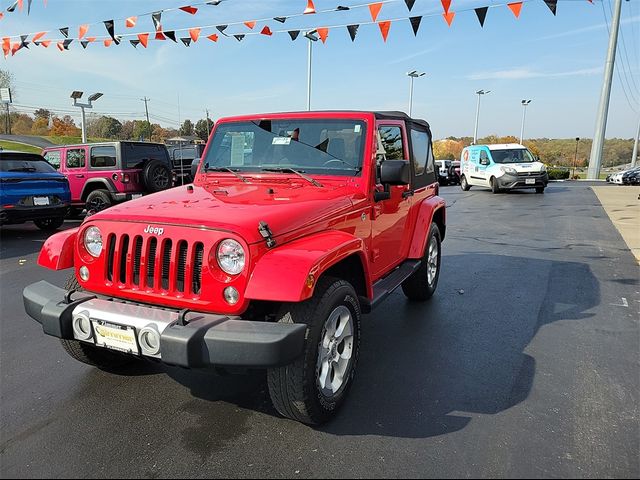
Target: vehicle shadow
(26,239)
(424,368)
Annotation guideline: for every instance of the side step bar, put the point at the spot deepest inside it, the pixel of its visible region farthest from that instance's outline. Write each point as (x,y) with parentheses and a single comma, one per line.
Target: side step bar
(385,286)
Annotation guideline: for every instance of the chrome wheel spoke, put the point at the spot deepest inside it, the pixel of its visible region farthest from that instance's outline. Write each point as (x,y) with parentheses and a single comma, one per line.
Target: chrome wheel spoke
(335,351)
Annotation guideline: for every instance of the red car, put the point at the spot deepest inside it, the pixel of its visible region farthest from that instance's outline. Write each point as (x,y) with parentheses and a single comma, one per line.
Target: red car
(295,225)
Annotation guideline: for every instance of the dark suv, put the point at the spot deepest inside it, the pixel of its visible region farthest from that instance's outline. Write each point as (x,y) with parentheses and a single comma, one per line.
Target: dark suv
(103,174)
(181,159)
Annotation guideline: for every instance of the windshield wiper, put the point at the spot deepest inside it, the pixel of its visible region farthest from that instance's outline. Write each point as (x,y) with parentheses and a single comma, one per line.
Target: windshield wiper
(291,170)
(225,169)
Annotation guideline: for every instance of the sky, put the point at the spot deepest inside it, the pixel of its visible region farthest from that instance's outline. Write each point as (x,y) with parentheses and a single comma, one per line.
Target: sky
(557,62)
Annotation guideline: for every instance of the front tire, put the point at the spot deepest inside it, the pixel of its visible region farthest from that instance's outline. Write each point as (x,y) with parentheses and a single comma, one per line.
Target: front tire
(539,189)
(495,188)
(49,224)
(423,283)
(464,185)
(313,388)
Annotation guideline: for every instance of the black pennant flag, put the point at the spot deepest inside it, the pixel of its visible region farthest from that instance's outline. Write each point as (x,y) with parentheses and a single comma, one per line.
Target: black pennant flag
(186,41)
(552,4)
(294,34)
(135,43)
(12,8)
(84,43)
(117,39)
(409,3)
(29,7)
(156,16)
(482,14)
(222,28)
(353,31)
(415,24)
(23,38)
(280,19)
(342,9)
(214,2)
(171,35)
(66,43)
(108,24)
(65,31)
(239,37)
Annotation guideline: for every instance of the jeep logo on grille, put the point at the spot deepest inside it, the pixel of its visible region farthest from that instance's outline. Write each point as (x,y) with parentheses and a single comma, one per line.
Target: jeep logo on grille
(154,230)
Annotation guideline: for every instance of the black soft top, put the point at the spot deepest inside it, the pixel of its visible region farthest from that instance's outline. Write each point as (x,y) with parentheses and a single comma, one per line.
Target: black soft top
(401,116)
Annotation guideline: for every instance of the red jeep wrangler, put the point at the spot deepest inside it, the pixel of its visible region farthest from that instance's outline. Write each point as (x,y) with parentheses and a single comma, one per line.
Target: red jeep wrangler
(295,225)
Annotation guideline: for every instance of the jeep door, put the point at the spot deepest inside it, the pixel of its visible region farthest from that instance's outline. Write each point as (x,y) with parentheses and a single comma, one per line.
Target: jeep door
(74,166)
(424,174)
(389,218)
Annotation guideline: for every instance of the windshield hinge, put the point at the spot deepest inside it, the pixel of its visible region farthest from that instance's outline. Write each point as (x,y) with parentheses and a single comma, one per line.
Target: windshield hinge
(265,231)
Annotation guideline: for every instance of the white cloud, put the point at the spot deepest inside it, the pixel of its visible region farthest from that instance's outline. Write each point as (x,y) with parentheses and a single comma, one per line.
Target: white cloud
(592,28)
(525,73)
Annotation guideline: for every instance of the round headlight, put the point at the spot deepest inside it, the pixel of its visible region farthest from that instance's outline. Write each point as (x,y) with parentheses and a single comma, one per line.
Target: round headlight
(93,241)
(231,257)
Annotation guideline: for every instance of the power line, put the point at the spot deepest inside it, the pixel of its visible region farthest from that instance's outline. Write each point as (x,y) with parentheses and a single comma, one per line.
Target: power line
(626,55)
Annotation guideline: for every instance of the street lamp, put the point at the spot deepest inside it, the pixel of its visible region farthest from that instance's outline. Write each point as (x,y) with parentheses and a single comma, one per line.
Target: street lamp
(525,103)
(412,75)
(310,35)
(77,95)
(475,131)
(575,158)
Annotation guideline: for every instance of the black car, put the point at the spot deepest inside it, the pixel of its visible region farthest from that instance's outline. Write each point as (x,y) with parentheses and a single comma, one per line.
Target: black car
(181,158)
(630,176)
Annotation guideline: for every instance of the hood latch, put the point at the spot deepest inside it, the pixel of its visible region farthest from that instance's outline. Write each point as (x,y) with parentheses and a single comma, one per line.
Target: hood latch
(265,231)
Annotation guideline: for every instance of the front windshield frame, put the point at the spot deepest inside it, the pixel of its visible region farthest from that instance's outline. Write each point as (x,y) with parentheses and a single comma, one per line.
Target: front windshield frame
(308,140)
(512,155)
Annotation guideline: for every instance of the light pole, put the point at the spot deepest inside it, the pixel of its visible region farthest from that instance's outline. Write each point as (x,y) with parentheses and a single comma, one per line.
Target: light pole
(76,95)
(412,75)
(525,103)
(575,159)
(475,131)
(312,38)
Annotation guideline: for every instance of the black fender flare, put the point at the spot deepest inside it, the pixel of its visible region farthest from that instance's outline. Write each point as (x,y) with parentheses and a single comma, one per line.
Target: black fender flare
(102,183)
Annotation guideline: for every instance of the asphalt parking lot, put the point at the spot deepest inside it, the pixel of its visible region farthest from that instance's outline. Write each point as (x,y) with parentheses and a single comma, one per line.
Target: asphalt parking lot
(524,364)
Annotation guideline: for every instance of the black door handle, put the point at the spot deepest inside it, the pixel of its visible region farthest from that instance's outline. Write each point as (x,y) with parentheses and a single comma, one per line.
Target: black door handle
(408,193)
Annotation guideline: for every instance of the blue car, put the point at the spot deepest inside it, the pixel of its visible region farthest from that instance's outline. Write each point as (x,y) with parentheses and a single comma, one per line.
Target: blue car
(32,190)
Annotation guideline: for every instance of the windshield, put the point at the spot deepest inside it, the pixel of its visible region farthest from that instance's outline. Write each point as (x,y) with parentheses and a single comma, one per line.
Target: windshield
(512,155)
(24,163)
(321,147)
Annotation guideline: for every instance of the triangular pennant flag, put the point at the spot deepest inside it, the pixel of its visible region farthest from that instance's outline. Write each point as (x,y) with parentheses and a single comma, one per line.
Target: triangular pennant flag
(409,3)
(6,46)
(194,33)
(108,24)
(384,29)
(186,41)
(189,9)
(239,37)
(323,33)
(45,43)
(516,8)
(449,17)
(251,25)
(59,45)
(143,39)
(1,15)
(82,31)
(135,43)
(160,35)
(20,4)
(29,7)
(117,39)
(91,39)
(353,31)
(214,2)
(84,43)
(415,24)
(23,38)
(375,8)
(65,32)
(171,35)
(213,37)
(14,48)
(156,17)
(66,43)
(107,42)
(482,14)
(266,31)
(38,36)
(280,19)
(294,34)
(311,8)
(552,4)
(130,22)
(12,9)
(222,28)
(446,5)
(341,8)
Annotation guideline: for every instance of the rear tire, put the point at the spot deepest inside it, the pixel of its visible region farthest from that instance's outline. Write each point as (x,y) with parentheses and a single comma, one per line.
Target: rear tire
(98,200)
(49,224)
(464,185)
(423,283)
(156,176)
(312,388)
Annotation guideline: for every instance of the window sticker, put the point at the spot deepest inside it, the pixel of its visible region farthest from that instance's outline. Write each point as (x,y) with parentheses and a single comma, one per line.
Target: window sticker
(281,141)
(357,128)
(237,149)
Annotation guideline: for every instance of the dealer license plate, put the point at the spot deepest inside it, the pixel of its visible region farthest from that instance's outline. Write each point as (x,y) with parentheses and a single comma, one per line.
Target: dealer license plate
(115,337)
(136,195)
(41,200)
(530,181)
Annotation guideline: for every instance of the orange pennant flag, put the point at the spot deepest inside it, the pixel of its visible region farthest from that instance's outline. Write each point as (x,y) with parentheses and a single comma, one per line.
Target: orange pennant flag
(311,8)
(45,43)
(516,8)
(384,29)
(1,15)
(144,39)
(14,48)
(323,33)
(375,8)
(446,4)
(108,42)
(60,46)
(449,17)
(82,31)
(38,36)
(91,39)
(213,37)
(20,4)
(194,33)
(251,25)
(266,31)
(189,9)
(6,46)
(130,22)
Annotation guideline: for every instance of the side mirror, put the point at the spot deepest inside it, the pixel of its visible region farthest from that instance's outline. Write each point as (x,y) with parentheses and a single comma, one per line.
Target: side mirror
(484,162)
(194,168)
(395,172)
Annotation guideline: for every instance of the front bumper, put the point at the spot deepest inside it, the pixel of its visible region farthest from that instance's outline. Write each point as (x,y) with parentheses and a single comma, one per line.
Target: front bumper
(509,182)
(21,214)
(198,340)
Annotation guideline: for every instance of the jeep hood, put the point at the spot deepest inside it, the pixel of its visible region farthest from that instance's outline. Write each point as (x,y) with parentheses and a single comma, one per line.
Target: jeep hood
(238,208)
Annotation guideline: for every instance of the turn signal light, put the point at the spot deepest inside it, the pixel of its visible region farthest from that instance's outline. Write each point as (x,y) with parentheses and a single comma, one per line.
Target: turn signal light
(125,178)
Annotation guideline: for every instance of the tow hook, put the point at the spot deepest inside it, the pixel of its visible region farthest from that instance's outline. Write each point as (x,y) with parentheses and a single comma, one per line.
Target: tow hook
(265,231)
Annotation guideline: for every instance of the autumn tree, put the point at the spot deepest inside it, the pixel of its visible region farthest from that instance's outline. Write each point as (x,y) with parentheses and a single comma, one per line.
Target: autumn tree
(64,126)
(40,127)
(42,113)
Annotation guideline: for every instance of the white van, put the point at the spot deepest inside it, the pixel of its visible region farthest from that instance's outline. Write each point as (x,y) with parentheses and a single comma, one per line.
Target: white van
(501,167)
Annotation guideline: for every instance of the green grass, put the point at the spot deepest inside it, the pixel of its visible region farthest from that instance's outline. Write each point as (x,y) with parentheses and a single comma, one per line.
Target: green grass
(20,147)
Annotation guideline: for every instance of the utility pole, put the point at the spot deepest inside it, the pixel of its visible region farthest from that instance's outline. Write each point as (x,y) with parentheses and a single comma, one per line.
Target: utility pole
(208,124)
(595,160)
(575,158)
(525,103)
(146,108)
(634,157)
(475,131)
